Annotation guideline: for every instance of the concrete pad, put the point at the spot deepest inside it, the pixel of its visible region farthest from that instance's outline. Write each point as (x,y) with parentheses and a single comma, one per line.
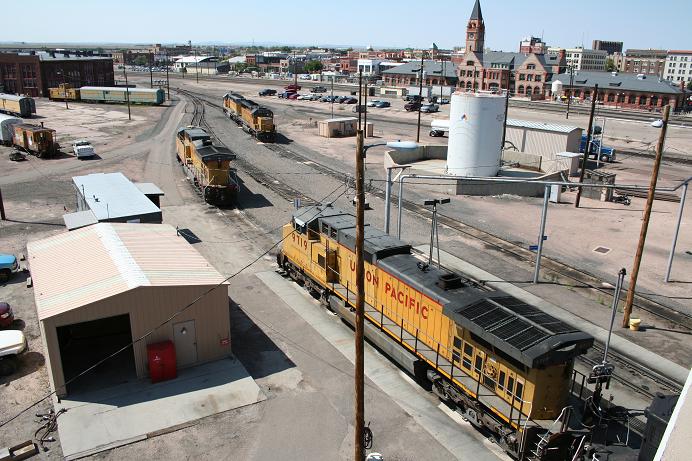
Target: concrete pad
(622,346)
(106,418)
(396,384)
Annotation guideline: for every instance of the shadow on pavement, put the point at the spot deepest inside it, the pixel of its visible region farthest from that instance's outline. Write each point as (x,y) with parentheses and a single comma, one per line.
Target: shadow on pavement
(260,355)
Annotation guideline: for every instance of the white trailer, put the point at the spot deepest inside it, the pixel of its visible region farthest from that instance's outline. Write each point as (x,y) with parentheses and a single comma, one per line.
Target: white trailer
(439,128)
(7,123)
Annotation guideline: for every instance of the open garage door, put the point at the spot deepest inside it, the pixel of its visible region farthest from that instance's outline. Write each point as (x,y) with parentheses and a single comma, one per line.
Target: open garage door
(84,344)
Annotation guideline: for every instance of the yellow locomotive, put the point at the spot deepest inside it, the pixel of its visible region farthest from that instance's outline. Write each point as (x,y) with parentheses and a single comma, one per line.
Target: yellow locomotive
(207,166)
(506,365)
(255,119)
(62,92)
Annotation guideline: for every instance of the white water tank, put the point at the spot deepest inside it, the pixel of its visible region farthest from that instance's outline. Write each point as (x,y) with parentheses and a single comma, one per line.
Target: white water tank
(475,134)
(556,88)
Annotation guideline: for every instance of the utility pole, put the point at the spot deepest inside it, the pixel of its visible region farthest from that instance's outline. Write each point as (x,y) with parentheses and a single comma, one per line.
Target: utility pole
(645,220)
(151,72)
(168,82)
(295,76)
(127,94)
(571,90)
(64,88)
(365,108)
(420,94)
(504,124)
(359,453)
(2,208)
(587,147)
(196,67)
(332,98)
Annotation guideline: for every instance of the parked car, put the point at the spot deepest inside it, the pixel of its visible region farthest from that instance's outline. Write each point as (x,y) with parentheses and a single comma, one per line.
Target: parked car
(412,98)
(8,266)
(373,103)
(304,97)
(341,99)
(267,92)
(350,100)
(6,315)
(382,104)
(429,108)
(318,89)
(412,106)
(292,87)
(442,101)
(12,344)
(292,96)
(329,98)
(286,94)
(314,97)
(83,149)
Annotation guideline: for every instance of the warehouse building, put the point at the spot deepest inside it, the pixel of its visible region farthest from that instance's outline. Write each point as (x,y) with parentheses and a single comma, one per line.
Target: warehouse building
(33,73)
(99,288)
(111,197)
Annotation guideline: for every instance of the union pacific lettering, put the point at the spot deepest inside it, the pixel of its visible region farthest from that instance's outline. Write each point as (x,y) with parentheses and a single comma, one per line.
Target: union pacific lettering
(405,300)
(369,276)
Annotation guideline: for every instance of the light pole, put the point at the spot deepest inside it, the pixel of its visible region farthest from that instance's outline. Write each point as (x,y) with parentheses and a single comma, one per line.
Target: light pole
(434,234)
(196,67)
(420,94)
(571,90)
(168,82)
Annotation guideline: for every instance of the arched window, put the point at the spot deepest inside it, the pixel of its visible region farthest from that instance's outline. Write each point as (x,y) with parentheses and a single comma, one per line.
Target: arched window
(493,86)
(654,101)
(611,97)
(434,81)
(475,85)
(621,97)
(642,100)
(536,90)
(664,101)
(632,99)
(470,63)
(521,89)
(468,84)
(529,91)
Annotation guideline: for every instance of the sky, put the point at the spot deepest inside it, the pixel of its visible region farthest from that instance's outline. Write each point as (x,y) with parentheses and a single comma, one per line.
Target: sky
(359,23)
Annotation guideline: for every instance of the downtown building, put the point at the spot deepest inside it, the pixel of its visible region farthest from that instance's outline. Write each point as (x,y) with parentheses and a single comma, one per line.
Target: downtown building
(678,66)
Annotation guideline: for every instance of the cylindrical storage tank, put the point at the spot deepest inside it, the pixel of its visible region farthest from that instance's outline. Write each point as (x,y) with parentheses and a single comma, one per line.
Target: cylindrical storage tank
(556,88)
(475,134)
(6,128)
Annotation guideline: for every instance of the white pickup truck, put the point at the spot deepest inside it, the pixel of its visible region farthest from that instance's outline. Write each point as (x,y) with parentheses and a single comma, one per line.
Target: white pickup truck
(83,149)
(12,343)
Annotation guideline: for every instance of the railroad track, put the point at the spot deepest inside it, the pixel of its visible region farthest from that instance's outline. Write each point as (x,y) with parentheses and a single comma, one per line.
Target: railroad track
(280,188)
(582,278)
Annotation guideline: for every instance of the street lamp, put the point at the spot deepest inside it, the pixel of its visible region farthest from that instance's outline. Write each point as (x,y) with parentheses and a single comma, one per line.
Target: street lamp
(64,88)
(571,89)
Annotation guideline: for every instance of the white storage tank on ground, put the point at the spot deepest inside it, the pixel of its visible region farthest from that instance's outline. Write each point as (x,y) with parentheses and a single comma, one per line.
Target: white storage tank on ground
(556,88)
(6,128)
(475,134)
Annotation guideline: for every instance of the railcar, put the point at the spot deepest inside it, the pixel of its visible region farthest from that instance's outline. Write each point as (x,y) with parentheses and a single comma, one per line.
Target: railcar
(35,139)
(504,364)
(62,92)
(7,123)
(111,94)
(254,118)
(21,106)
(207,166)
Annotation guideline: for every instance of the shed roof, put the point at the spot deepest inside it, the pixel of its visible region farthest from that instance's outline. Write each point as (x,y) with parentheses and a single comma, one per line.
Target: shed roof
(617,82)
(431,69)
(120,88)
(149,188)
(543,126)
(112,196)
(12,97)
(108,259)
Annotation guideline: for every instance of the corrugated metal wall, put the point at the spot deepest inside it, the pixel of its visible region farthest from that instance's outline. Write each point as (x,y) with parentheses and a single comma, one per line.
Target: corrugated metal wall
(148,307)
(540,142)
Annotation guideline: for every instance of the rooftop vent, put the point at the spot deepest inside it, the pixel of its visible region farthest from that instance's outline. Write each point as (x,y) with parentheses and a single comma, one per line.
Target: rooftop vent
(449,281)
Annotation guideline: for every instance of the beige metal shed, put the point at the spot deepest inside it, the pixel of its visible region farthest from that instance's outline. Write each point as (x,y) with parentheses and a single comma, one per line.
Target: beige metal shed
(100,287)
(541,138)
(338,127)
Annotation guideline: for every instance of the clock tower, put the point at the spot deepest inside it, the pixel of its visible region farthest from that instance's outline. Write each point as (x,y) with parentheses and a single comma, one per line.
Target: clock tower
(475,30)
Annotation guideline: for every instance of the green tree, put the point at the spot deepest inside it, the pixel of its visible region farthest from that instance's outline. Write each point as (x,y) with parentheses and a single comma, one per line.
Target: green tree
(285,49)
(610,65)
(689,85)
(141,61)
(313,66)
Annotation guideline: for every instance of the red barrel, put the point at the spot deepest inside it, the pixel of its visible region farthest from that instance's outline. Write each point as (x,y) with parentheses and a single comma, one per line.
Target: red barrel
(162,364)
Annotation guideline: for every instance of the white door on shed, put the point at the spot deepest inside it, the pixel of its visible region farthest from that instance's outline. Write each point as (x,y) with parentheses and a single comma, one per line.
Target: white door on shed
(185,340)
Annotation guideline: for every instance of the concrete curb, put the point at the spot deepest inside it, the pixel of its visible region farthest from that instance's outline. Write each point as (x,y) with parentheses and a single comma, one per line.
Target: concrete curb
(622,346)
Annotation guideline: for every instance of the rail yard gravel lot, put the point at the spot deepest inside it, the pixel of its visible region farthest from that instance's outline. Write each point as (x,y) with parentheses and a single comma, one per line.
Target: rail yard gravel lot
(301,373)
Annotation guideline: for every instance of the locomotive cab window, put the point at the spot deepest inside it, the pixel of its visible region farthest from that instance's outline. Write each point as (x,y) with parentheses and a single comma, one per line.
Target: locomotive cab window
(325,229)
(456,356)
(468,353)
(520,390)
(321,261)
(332,234)
(501,381)
(510,386)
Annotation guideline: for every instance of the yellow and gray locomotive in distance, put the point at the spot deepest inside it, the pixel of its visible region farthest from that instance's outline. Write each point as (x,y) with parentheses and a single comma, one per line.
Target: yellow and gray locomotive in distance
(253,118)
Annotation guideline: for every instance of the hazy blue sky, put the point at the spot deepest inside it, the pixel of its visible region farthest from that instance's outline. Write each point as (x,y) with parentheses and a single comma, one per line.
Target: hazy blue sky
(639,23)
